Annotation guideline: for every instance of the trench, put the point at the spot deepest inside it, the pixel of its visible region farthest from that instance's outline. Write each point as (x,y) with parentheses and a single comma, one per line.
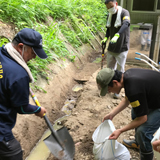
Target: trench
(40,150)
(89,107)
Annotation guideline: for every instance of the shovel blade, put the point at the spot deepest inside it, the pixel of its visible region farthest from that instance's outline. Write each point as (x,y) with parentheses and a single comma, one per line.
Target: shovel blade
(63,151)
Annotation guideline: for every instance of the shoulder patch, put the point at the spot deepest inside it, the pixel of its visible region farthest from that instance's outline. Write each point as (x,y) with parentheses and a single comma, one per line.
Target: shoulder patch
(1,71)
(126,17)
(135,104)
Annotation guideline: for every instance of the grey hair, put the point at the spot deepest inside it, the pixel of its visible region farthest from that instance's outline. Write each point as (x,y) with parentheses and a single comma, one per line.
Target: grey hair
(15,43)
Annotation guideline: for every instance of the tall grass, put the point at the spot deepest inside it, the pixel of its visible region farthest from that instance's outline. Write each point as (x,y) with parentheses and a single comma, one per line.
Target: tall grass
(68,17)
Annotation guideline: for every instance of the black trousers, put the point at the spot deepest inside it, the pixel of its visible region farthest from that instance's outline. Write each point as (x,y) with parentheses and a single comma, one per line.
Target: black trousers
(10,150)
(15,157)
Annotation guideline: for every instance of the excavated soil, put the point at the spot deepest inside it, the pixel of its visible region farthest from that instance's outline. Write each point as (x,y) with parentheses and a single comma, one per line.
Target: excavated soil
(87,112)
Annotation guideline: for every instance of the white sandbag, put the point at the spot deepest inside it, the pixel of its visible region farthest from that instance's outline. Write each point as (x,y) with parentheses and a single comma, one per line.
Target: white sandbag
(105,149)
(156,136)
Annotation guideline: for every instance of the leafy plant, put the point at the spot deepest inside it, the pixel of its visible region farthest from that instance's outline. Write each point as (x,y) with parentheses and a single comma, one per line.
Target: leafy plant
(3,41)
(40,89)
(77,20)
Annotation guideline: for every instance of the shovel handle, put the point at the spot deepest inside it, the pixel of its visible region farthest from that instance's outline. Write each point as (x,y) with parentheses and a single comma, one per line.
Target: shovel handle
(102,61)
(103,48)
(34,98)
(46,118)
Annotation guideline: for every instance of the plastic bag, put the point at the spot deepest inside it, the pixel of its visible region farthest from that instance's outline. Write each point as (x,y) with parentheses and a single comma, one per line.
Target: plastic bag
(156,136)
(105,149)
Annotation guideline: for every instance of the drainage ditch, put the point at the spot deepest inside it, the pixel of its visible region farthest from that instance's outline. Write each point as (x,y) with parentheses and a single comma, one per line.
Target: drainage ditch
(84,110)
(40,151)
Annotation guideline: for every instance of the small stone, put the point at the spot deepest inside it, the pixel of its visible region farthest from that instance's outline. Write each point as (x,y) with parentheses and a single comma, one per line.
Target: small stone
(59,123)
(109,107)
(70,106)
(78,143)
(131,137)
(53,111)
(81,123)
(74,114)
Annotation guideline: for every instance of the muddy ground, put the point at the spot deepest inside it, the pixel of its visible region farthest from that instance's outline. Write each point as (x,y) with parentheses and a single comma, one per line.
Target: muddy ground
(88,112)
(86,115)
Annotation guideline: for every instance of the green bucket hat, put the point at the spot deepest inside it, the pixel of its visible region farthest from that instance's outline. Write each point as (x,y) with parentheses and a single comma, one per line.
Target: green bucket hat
(103,79)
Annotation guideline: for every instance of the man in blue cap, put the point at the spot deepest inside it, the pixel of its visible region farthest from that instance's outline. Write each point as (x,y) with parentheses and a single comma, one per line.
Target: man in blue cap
(142,92)
(15,77)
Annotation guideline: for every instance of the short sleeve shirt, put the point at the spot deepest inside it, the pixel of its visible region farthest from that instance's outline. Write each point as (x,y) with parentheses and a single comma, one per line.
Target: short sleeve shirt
(14,92)
(142,88)
(122,43)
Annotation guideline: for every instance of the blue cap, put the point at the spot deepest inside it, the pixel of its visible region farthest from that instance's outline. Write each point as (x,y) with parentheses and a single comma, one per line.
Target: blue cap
(31,38)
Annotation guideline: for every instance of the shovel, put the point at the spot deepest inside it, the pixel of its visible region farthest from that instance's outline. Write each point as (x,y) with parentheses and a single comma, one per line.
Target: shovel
(103,48)
(60,143)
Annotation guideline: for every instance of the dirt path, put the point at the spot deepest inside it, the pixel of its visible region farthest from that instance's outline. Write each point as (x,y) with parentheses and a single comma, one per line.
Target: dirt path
(88,112)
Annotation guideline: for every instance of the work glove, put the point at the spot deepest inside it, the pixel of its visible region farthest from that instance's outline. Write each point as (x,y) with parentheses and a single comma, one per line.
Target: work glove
(104,40)
(115,38)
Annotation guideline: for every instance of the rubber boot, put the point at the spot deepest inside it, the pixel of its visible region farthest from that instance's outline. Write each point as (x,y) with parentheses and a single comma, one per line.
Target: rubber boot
(142,47)
(146,156)
(130,144)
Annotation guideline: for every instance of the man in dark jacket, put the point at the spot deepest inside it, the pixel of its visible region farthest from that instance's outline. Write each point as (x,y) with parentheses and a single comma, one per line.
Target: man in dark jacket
(15,77)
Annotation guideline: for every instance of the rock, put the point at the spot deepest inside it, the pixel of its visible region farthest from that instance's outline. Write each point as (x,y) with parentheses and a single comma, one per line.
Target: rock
(78,143)
(131,137)
(70,106)
(53,111)
(74,114)
(81,123)
(73,102)
(109,107)
(59,123)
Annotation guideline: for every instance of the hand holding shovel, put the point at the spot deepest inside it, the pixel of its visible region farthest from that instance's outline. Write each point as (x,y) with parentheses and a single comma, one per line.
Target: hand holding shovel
(60,143)
(41,113)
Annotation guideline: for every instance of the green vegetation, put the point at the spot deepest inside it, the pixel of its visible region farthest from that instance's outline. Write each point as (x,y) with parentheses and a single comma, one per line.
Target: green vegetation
(133,26)
(75,19)
(3,41)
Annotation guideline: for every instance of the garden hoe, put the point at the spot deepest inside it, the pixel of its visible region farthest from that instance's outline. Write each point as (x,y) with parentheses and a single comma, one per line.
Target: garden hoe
(60,143)
(103,48)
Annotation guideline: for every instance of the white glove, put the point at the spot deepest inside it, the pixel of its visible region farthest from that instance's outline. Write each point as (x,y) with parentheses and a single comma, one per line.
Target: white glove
(115,38)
